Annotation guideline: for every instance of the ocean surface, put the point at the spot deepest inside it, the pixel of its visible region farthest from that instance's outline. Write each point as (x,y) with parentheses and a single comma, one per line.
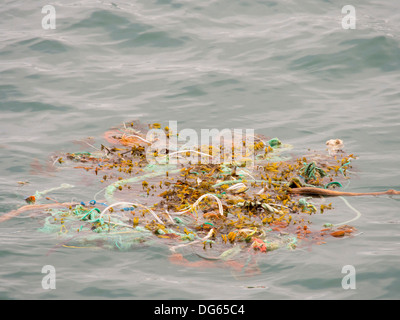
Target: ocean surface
(286,69)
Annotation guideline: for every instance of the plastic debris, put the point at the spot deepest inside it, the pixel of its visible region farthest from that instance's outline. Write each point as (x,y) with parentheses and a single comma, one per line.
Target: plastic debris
(224,210)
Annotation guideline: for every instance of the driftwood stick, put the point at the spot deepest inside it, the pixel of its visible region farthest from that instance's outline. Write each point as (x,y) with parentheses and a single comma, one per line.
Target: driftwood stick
(332,193)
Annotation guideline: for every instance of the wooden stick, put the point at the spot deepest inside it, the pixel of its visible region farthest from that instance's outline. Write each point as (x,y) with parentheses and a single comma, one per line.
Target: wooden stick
(333,193)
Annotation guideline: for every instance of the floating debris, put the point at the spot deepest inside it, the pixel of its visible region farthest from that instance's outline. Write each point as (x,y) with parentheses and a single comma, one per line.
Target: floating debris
(252,204)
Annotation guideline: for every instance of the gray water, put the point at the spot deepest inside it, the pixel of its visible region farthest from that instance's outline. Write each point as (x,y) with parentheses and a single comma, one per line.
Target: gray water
(285,68)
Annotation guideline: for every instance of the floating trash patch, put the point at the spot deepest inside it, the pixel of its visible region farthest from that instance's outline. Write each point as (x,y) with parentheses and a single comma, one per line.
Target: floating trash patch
(208,213)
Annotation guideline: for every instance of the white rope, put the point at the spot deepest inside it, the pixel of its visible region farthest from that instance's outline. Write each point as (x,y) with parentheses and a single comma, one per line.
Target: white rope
(131,204)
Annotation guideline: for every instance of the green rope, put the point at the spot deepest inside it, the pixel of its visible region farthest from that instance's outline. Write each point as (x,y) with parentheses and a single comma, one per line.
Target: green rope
(87,214)
(304,204)
(310,170)
(333,183)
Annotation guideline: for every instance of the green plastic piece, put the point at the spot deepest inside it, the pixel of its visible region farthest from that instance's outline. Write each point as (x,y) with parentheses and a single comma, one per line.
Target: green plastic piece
(275,142)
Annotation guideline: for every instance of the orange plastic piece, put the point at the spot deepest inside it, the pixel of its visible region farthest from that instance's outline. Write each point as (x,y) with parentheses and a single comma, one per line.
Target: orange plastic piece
(338,234)
(258,244)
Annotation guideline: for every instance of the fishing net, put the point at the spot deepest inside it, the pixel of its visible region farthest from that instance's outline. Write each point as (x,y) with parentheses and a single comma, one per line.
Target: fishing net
(214,212)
